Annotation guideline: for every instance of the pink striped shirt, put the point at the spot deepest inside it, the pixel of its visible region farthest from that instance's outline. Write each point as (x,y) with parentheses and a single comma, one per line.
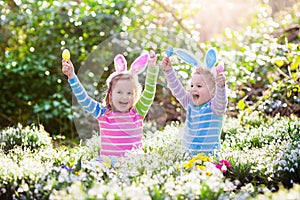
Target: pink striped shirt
(120,132)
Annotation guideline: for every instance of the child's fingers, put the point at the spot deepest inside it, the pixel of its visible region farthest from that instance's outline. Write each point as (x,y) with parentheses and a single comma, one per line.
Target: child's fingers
(65,64)
(70,62)
(221,79)
(65,68)
(152,54)
(220,75)
(165,59)
(164,62)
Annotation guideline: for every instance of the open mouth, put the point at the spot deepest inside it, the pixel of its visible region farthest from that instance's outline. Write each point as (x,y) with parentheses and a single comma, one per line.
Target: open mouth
(123,103)
(195,96)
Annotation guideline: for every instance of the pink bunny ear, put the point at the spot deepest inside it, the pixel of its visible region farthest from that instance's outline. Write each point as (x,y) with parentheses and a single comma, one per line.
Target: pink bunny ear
(139,64)
(120,63)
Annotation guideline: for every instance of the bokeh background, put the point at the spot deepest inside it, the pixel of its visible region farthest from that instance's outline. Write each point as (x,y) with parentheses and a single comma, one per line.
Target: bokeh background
(257,40)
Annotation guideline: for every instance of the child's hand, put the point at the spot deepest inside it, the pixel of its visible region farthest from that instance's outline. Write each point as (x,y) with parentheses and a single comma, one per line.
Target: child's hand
(221,79)
(68,68)
(166,63)
(152,59)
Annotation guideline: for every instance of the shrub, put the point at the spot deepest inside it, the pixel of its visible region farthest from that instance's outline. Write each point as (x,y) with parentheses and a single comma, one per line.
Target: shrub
(31,137)
(263,64)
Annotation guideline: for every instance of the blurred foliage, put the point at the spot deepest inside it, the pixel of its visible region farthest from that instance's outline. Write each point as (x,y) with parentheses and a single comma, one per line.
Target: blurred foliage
(262,61)
(263,64)
(33,34)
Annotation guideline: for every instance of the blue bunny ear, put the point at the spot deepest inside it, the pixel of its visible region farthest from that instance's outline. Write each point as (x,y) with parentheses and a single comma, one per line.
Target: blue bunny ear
(210,58)
(187,57)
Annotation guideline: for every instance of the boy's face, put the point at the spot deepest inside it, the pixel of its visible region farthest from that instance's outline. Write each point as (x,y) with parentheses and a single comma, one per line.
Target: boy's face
(201,90)
(122,95)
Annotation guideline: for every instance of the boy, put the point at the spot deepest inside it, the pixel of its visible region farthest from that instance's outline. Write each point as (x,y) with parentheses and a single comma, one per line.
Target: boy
(205,104)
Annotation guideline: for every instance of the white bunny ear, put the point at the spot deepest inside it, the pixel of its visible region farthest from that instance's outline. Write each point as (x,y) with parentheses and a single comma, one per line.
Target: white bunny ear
(213,70)
(120,63)
(139,64)
(210,58)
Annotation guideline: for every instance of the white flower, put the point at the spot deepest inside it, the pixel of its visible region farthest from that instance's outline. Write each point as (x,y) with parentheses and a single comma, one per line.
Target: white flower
(248,188)
(286,169)
(224,168)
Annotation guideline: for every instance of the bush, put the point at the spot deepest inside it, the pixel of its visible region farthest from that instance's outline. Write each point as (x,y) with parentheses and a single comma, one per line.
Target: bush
(262,64)
(29,137)
(33,35)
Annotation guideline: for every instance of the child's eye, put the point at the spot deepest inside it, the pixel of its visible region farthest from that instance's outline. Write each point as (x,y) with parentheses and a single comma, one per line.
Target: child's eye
(199,86)
(130,93)
(192,86)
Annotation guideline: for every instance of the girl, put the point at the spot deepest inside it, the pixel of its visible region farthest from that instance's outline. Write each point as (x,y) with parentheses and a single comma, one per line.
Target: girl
(205,104)
(121,118)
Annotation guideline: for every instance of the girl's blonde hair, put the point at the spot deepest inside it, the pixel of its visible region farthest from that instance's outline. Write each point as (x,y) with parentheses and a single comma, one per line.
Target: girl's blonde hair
(114,80)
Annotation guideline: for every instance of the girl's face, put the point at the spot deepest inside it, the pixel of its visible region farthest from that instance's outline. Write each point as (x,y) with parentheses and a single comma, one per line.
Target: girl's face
(122,95)
(201,90)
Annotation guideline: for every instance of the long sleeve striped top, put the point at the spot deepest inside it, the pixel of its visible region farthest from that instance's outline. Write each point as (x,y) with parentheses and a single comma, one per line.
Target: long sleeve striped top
(204,122)
(119,132)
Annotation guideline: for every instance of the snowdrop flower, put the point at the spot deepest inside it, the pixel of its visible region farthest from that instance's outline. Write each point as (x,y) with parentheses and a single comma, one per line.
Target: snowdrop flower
(248,188)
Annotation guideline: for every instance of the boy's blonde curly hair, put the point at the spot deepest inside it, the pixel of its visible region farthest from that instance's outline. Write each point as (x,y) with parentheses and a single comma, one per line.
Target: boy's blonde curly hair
(205,71)
(209,77)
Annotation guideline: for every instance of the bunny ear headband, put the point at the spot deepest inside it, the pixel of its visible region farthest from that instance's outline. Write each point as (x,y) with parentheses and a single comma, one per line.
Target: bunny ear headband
(209,60)
(137,67)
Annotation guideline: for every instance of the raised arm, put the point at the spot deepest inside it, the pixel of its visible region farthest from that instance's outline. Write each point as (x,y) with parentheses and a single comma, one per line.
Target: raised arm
(88,103)
(219,102)
(174,84)
(148,94)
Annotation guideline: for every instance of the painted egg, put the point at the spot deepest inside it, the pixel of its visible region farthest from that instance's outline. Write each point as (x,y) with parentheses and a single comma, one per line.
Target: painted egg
(66,54)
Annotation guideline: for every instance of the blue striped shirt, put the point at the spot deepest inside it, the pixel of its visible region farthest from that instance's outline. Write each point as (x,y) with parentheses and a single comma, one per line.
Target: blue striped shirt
(204,122)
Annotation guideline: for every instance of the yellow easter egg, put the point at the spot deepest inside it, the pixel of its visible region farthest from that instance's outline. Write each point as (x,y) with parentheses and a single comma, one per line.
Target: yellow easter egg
(66,54)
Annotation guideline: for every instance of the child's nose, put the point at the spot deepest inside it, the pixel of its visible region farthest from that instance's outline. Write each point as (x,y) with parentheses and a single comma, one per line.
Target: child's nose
(125,96)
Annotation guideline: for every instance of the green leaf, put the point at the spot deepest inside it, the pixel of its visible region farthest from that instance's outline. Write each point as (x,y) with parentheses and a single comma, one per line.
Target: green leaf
(296,63)
(279,62)
(241,105)
(289,93)
(47,106)
(292,46)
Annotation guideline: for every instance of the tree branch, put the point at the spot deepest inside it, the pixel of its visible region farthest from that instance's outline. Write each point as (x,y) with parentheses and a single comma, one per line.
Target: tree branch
(178,20)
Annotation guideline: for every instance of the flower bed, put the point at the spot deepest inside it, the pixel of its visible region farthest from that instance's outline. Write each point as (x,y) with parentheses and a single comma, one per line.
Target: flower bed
(257,160)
